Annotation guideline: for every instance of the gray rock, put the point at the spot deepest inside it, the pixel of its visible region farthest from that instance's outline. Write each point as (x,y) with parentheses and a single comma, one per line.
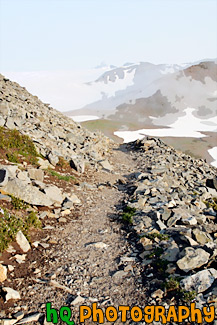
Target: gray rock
(172,253)
(11,294)
(4,109)
(3,177)
(31,318)
(105,165)
(44,164)
(28,193)
(22,242)
(193,258)
(201,237)
(2,121)
(36,174)
(78,164)
(54,193)
(53,159)
(200,281)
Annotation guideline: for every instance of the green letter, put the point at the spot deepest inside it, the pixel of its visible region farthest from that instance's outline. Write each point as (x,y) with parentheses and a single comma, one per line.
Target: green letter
(66,317)
(51,311)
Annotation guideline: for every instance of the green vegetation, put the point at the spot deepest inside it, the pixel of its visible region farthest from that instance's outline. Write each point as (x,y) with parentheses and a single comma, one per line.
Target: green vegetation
(157,252)
(18,204)
(11,224)
(17,147)
(66,178)
(156,235)
(212,203)
(62,162)
(127,214)
(172,284)
(187,296)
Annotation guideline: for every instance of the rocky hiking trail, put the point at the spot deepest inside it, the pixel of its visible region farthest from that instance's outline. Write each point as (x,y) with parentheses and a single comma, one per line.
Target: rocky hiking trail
(92,256)
(92,261)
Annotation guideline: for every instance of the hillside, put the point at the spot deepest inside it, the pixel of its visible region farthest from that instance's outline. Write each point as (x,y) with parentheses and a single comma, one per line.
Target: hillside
(86,221)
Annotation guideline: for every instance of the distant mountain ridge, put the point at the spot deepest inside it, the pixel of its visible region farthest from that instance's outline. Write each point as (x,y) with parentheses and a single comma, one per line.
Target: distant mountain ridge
(148,93)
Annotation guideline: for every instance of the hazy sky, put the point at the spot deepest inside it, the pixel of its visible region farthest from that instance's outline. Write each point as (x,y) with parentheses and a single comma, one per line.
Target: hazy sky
(69,34)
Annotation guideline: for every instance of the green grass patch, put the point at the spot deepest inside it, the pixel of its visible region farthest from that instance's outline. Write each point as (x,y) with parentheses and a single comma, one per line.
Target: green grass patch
(18,204)
(156,235)
(127,214)
(211,203)
(17,147)
(10,224)
(66,178)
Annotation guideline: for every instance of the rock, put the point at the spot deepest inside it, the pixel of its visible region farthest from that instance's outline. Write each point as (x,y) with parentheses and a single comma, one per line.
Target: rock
(23,176)
(11,294)
(8,321)
(201,237)
(146,243)
(3,273)
(4,108)
(3,177)
(200,281)
(172,253)
(78,164)
(105,165)
(160,224)
(193,258)
(27,193)
(31,318)
(157,294)
(78,301)
(53,159)
(36,174)
(62,219)
(5,198)
(74,199)
(119,275)
(54,193)
(44,164)
(189,220)
(215,182)
(98,245)
(22,242)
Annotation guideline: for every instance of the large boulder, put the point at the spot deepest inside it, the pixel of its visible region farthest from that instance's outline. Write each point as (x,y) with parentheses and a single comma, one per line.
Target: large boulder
(54,193)
(192,259)
(27,193)
(200,281)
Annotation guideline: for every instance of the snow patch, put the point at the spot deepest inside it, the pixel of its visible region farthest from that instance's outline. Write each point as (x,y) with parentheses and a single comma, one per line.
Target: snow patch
(83,118)
(213,153)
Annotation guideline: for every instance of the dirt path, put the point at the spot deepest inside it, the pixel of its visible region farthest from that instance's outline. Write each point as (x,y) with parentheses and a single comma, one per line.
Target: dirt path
(87,259)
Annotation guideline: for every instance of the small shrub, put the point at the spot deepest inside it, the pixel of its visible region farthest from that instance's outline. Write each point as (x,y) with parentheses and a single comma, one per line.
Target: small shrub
(157,252)
(172,284)
(62,162)
(17,146)
(156,235)
(18,204)
(10,224)
(187,296)
(12,157)
(211,203)
(127,214)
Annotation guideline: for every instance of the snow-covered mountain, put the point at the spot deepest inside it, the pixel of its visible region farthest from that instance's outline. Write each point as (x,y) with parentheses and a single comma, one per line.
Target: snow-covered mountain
(154,94)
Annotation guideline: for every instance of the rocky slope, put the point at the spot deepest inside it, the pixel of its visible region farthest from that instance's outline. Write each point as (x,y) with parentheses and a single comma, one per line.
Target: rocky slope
(53,134)
(137,230)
